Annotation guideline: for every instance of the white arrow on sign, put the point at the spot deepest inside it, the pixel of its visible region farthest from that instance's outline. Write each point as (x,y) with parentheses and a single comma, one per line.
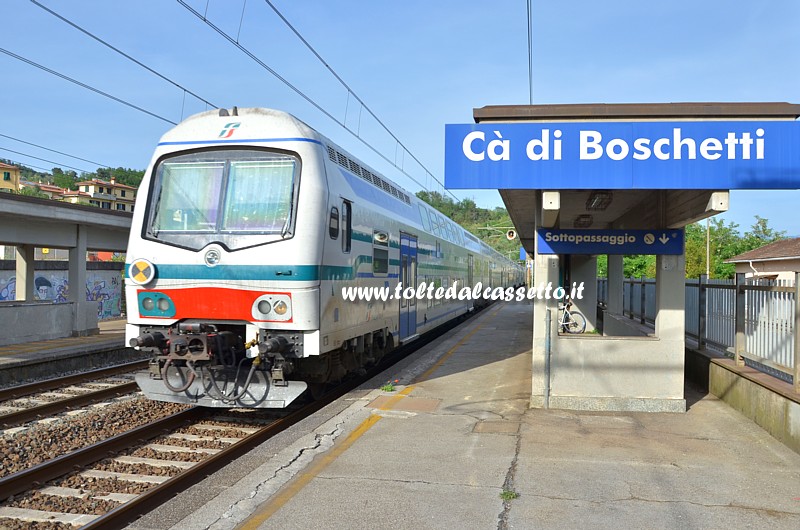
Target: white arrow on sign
(664,239)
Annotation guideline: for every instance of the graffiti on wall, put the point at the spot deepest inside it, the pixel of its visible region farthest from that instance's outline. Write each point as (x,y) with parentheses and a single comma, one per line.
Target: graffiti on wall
(103,287)
(107,294)
(8,288)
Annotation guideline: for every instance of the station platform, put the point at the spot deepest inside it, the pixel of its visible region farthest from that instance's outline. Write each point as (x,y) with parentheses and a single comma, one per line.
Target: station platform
(456,446)
(20,362)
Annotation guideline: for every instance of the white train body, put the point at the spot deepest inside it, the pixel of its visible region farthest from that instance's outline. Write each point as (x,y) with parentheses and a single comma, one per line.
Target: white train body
(245,231)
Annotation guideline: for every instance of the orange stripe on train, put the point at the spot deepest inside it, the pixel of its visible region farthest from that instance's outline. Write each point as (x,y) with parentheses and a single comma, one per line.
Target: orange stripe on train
(215,303)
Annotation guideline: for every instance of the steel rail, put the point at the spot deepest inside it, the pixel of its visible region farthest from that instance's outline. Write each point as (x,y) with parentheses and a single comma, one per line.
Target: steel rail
(128,512)
(19,417)
(15,392)
(147,501)
(39,474)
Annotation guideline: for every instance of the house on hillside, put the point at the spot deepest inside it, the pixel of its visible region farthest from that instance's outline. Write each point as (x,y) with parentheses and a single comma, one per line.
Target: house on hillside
(106,195)
(10,180)
(77,197)
(776,261)
(52,192)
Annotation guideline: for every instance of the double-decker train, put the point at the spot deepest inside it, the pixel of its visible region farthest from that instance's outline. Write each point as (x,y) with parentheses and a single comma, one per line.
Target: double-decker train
(247,226)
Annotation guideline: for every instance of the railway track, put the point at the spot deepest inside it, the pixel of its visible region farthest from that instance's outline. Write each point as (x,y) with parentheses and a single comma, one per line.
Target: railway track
(111,483)
(210,440)
(38,400)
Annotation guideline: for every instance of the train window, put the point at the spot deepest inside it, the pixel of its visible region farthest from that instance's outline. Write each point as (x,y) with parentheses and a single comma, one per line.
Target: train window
(404,278)
(347,226)
(238,197)
(412,280)
(423,214)
(333,225)
(443,229)
(380,260)
(189,196)
(249,204)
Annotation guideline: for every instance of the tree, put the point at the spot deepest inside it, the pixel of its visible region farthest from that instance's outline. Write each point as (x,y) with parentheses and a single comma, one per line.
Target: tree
(602,266)
(121,175)
(695,250)
(640,265)
(488,225)
(64,180)
(32,191)
(726,241)
(761,234)
(127,176)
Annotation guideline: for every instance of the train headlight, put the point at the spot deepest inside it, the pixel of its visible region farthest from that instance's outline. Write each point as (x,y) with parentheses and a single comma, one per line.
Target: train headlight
(141,271)
(212,257)
(154,304)
(272,307)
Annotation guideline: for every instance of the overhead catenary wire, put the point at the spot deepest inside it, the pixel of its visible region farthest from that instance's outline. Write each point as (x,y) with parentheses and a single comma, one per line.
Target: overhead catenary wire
(295,89)
(120,52)
(208,103)
(356,96)
(54,151)
(84,85)
(27,165)
(59,164)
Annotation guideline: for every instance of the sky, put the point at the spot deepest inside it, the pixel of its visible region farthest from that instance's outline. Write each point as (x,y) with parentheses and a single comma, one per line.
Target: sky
(416,65)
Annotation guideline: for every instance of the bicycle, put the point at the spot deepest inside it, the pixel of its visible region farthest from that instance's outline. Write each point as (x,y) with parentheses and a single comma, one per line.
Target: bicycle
(571,321)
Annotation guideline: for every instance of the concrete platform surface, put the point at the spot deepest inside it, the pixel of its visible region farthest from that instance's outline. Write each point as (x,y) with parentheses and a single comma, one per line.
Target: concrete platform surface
(111,335)
(440,450)
(20,363)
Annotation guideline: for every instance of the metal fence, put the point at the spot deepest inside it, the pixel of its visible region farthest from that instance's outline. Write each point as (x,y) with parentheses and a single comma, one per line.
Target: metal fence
(763,312)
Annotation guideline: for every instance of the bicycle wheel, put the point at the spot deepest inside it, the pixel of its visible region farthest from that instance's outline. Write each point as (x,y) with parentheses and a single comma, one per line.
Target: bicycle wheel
(577,323)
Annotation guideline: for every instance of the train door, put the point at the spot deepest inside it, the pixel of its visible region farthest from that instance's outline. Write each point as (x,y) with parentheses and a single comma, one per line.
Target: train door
(470,267)
(408,278)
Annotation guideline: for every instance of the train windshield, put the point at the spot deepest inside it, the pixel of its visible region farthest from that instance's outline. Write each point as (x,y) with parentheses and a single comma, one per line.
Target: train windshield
(236,197)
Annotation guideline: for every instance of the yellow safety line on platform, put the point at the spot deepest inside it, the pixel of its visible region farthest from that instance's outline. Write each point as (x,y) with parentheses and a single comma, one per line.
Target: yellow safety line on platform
(317,466)
(320,463)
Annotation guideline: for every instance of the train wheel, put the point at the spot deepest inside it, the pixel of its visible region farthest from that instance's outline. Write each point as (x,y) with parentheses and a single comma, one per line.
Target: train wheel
(387,348)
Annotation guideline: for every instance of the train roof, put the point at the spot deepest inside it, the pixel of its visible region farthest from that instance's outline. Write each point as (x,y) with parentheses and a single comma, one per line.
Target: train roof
(202,125)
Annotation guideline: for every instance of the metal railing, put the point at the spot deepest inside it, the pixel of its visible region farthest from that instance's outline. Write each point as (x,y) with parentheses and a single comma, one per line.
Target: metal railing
(755,322)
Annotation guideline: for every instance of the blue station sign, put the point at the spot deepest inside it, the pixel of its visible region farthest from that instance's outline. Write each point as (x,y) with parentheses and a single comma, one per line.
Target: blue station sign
(627,242)
(719,155)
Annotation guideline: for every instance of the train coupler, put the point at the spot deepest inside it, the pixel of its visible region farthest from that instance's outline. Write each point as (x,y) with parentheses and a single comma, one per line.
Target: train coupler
(229,388)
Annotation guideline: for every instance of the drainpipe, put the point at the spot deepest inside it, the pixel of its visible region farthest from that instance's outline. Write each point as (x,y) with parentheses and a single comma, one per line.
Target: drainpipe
(755,272)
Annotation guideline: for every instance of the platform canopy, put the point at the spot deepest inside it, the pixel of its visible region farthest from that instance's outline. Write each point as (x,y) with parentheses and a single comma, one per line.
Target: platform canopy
(54,224)
(622,166)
